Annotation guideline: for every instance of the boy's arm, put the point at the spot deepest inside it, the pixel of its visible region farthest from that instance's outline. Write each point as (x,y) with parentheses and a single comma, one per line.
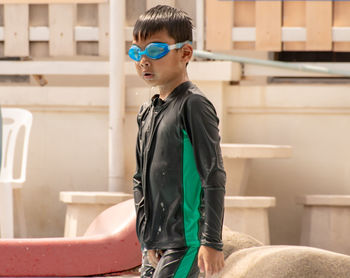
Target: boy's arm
(137,179)
(201,125)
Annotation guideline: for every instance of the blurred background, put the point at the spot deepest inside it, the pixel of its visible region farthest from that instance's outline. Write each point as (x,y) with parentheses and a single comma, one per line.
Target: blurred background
(54,62)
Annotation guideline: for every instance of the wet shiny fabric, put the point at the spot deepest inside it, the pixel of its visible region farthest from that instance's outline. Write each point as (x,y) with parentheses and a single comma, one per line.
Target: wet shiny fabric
(179,184)
(174,263)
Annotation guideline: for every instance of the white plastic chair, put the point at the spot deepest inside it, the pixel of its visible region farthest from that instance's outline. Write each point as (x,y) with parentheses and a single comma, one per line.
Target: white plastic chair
(13,121)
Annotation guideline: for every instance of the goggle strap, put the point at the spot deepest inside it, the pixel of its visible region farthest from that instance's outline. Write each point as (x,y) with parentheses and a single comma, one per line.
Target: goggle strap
(178,45)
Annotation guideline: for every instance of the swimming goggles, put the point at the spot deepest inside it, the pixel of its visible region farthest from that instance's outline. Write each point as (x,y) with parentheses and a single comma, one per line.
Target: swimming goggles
(154,50)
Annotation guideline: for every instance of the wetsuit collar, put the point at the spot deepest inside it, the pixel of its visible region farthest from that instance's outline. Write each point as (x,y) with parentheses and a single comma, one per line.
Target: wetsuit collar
(181,88)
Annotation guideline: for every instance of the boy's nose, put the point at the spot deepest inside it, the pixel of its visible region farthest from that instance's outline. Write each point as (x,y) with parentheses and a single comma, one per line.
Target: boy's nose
(144,61)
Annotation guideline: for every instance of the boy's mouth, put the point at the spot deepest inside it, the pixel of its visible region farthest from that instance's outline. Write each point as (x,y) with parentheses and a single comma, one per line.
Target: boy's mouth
(147,75)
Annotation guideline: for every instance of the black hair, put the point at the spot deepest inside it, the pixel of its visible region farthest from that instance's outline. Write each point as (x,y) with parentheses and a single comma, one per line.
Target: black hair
(162,17)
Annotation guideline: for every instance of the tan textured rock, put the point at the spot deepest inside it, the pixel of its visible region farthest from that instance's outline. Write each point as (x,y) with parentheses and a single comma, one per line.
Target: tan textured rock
(234,241)
(247,261)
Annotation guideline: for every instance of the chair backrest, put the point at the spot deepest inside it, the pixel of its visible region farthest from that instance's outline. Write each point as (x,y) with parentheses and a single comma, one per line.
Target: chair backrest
(13,119)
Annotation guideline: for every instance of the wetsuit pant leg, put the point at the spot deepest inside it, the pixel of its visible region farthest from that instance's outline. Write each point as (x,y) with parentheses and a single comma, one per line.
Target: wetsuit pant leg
(178,263)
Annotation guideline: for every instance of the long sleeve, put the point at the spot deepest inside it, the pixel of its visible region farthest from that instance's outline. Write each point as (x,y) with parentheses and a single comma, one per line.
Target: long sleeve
(201,124)
(137,182)
(137,179)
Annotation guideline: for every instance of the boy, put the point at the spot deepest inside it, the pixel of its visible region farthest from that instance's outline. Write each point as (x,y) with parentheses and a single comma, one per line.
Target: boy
(179,184)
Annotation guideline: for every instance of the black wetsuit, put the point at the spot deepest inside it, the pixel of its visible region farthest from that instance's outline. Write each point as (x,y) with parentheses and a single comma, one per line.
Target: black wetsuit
(179,184)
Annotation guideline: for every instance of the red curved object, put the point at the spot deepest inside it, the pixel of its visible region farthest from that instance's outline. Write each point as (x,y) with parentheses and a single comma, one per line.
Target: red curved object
(109,245)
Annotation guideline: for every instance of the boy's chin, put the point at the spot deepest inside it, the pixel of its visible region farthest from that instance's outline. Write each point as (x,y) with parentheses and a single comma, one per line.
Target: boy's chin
(151,82)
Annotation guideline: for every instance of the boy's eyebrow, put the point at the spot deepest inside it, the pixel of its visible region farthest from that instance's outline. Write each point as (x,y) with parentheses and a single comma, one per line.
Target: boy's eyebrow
(135,43)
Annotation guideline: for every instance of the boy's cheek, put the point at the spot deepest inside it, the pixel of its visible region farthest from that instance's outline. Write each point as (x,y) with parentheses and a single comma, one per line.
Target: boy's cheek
(138,69)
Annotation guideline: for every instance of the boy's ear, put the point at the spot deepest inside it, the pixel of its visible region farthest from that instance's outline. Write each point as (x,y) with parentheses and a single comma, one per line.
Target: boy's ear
(187,52)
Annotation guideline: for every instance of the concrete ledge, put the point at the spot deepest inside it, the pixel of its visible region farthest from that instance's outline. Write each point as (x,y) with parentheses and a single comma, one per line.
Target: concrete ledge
(249,202)
(255,151)
(324,200)
(81,197)
(197,70)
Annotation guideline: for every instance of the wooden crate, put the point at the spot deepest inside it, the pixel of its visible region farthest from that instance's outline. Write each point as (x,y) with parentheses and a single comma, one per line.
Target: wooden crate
(63,28)
(54,28)
(278,25)
(68,28)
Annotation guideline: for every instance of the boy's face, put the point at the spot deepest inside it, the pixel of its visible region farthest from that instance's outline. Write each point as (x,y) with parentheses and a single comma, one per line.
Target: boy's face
(167,70)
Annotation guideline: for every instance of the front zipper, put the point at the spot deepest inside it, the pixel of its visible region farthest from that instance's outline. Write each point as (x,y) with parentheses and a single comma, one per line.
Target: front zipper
(156,111)
(146,149)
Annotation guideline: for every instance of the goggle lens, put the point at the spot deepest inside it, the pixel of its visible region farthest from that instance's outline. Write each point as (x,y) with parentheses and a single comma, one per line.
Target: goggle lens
(154,50)
(134,53)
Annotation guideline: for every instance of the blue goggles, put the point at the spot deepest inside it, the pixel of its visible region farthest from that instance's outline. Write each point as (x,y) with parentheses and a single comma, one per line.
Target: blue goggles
(154,50)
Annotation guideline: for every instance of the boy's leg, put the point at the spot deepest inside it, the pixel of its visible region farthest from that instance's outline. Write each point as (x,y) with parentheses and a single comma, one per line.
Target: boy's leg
(147,269)
(178,263)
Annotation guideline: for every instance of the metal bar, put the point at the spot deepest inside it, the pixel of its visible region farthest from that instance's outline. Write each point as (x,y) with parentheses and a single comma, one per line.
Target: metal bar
(276,64)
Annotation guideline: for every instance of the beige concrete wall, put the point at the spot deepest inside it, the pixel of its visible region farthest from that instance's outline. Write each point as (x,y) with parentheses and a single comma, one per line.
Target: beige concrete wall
(68,152)
(68,147)
(315,120)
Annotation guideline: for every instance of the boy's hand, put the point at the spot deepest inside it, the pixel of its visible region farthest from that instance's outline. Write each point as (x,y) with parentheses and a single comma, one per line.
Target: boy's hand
(210,260)
(153,257)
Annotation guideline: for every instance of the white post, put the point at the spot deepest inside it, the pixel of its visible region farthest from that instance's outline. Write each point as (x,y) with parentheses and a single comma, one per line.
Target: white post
(200,24)
(116,181)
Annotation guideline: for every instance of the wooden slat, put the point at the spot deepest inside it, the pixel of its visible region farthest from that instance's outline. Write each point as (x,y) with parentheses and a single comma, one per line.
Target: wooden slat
(294,16)
(50,1)
(319,25)
(85,33)
(103,24)
(268,16)
(239,34)
(244,16)
(341,18)
(152,3)
(219,28)
(16,19)
(293,34)
(245,34)
(341,34)
(62,22)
